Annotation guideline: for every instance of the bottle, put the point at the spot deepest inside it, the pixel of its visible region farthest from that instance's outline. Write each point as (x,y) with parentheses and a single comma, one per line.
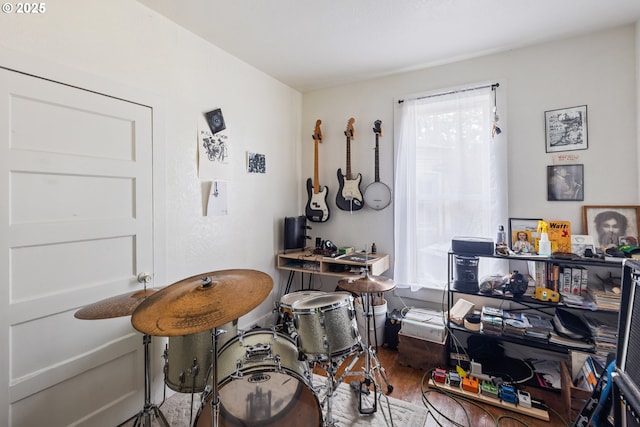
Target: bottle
(544,245)
(373,248)
(501,239)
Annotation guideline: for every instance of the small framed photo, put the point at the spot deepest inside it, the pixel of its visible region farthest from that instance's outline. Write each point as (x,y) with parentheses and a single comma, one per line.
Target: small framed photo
(611,225)
(565,183)
(566,129)
(581,242)
(523,233)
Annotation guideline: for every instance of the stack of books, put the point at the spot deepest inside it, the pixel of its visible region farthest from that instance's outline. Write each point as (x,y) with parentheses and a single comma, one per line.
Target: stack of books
(605,335)
(606,297)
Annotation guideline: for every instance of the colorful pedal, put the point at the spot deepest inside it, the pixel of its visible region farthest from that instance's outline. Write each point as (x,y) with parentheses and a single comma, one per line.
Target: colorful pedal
(524,399)
(454,379)
(470,384)
(440,376)
(508,394)
(489,389)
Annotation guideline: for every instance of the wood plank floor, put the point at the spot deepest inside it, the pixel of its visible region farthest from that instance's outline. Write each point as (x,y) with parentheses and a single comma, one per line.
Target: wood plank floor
(407,386)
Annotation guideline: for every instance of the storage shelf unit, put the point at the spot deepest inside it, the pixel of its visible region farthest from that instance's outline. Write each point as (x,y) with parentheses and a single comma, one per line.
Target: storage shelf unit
(527,303)
(352,264)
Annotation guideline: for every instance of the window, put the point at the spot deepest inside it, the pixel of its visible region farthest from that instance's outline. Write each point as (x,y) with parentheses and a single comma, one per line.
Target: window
(450,180)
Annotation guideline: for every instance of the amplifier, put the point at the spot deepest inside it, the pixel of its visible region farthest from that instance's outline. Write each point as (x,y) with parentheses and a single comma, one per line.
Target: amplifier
(472,246)
(627,370)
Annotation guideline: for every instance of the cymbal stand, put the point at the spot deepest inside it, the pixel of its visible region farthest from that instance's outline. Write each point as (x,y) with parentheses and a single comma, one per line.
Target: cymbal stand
(331,387)
(215,398)
(372,368)
(143,418)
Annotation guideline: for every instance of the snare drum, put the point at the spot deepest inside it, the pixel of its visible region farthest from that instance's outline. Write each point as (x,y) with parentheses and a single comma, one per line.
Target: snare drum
(262,383)
(188,358)
(288,299)
(326,325)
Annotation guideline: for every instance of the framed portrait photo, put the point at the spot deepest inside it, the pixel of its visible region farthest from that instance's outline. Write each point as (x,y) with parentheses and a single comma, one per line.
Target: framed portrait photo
(611,225)
(565,183)
(523,230)
(566,129)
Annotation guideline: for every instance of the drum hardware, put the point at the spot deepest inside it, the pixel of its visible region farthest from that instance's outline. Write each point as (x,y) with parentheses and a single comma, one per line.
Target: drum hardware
(125,305)
(198,304)
(367,286)
(143,418)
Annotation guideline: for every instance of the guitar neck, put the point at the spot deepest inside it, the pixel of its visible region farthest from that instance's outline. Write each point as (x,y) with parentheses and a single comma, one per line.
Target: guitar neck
(348,175)
(316,183)
(377,165)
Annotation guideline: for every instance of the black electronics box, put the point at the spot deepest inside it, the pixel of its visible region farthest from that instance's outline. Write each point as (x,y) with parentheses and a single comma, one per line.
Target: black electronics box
(472,246)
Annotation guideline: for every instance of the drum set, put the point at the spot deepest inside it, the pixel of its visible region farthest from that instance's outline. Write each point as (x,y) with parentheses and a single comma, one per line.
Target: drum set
(261,377)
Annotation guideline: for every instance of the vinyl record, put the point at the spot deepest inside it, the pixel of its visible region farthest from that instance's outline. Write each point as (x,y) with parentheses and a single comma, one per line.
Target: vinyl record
(215,120)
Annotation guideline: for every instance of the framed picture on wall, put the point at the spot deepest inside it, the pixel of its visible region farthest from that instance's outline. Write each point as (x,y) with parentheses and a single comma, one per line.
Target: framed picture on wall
(565,183)
(611,225)
(566,129)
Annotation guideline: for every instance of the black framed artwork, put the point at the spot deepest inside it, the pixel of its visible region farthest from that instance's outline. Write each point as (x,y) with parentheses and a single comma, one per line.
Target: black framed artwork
(565,183)
(566,129)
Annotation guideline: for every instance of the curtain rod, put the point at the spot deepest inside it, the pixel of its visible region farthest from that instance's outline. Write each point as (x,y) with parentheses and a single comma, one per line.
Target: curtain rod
(493,87)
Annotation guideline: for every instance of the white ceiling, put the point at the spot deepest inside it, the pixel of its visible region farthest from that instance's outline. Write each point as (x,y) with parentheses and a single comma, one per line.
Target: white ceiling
(314,44)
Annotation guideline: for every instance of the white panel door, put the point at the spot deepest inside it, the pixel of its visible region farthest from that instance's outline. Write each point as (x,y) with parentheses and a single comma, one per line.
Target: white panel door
(75,228)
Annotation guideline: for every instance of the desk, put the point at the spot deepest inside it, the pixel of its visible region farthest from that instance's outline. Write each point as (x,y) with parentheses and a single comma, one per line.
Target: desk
(341,266)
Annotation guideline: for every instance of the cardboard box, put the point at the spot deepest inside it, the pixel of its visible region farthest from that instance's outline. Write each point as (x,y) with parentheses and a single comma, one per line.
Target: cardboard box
(420,353)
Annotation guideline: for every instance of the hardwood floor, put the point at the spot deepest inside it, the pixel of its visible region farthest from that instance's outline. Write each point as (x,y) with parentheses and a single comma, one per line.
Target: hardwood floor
(407,386)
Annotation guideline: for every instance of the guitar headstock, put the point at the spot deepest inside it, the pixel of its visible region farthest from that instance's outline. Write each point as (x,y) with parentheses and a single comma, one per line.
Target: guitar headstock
(317,132)
(377,127)
(349,132)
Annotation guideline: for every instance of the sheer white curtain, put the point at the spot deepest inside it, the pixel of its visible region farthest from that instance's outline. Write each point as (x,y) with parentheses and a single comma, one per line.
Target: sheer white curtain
(450,180)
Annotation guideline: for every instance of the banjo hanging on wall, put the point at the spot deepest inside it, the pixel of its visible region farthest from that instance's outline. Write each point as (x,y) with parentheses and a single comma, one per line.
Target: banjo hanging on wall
(377,195)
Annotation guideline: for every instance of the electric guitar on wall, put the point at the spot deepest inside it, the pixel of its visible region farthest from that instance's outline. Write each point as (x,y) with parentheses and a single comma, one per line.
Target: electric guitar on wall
(349,197)
(316,209)
(377,195)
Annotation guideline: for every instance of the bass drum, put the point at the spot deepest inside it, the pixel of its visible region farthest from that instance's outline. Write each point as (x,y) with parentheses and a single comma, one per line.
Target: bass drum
(188,358)
(262,384)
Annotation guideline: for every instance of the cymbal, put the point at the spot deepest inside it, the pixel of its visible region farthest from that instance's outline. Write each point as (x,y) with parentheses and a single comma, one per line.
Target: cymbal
(118,306)
(367,284)
(201,302)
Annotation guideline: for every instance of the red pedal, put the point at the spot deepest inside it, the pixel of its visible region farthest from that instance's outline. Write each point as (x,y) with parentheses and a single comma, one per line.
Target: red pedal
(440,375)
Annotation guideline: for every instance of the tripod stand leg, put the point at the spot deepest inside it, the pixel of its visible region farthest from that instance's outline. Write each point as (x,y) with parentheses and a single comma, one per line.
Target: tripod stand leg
(143,418)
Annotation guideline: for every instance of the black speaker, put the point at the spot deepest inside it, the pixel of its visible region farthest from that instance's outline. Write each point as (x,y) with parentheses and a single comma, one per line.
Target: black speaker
(466,274)
(215,120)
(295,232)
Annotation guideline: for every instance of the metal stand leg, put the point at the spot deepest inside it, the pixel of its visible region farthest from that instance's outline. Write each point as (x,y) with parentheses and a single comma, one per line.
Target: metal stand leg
(150,410)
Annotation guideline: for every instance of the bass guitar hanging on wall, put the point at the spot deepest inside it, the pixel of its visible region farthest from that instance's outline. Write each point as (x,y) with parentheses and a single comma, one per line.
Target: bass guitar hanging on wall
(316,209)
(349,197)
(377,195)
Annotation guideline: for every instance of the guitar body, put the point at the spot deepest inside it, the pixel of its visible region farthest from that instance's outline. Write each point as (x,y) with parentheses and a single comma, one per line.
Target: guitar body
(317,209)
(349,197)
(377,195)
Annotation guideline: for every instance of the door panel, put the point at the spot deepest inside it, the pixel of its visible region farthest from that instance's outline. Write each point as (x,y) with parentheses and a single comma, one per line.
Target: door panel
(76,180)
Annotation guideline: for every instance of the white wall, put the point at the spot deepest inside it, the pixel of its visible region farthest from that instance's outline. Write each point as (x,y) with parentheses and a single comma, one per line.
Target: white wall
(597,70)
(124,42)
